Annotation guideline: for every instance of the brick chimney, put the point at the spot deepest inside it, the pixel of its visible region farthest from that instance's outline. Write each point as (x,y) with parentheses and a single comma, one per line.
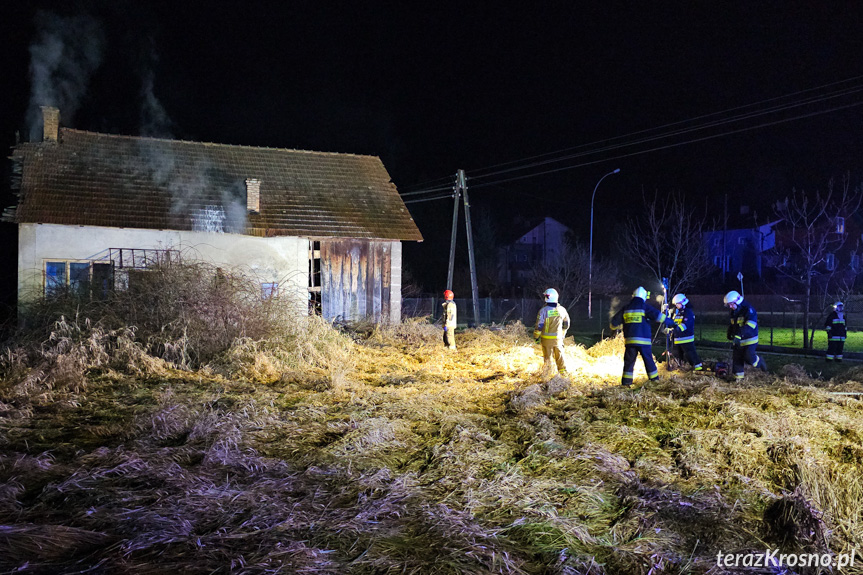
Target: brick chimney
(253,195)
(50,124)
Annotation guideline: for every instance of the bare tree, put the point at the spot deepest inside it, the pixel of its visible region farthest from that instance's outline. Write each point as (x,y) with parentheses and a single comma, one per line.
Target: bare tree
(667,241)
(815,232)
(568,273)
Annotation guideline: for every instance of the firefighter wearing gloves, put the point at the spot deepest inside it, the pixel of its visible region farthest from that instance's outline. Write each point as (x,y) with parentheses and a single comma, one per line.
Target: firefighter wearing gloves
(635,319)
(836,332)
(552,321)
(743,332)
(449,319)
(683,332)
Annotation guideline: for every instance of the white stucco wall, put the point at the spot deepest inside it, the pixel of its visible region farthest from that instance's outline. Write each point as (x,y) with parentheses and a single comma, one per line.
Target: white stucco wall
(280,259)
(396,282)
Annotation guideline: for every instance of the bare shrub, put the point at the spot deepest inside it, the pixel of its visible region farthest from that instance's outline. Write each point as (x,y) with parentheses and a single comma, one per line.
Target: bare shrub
(185,314)
(74,346)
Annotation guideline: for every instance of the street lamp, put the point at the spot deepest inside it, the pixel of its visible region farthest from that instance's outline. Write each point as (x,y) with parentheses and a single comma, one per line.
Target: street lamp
(590,257)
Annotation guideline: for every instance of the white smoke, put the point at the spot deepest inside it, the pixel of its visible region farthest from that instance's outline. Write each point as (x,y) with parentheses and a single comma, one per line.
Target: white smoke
(63,57)
(155,121)
(209,219)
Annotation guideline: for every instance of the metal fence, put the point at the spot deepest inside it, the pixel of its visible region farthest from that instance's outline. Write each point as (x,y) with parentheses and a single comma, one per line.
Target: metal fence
(774,311)
(503,310)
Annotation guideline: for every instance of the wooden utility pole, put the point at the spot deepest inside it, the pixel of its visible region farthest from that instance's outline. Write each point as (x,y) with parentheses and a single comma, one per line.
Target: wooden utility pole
(460,190)
(474,288)
(455,194)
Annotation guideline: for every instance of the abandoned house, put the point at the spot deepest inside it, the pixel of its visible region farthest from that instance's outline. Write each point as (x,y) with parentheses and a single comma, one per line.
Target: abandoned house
(321,229)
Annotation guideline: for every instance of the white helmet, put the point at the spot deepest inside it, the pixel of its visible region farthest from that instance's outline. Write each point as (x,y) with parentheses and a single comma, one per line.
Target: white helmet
(733,297)
(550,295)
(680,299)
(641,292)
(837,304)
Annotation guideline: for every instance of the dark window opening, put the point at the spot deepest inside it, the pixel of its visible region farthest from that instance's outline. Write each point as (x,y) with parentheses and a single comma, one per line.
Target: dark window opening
(315,278)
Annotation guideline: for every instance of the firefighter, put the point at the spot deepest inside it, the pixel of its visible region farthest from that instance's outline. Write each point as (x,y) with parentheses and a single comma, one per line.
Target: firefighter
(449,319)
(635,320)
(836,332)
(743,331)
(683,332)
(552,321)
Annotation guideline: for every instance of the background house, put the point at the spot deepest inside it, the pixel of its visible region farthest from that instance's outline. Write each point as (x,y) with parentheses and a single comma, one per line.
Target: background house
(741,249)
(536,242)
(311,226)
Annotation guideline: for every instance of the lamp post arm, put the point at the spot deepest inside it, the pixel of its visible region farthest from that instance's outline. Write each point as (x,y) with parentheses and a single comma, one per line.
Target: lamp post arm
(590,253)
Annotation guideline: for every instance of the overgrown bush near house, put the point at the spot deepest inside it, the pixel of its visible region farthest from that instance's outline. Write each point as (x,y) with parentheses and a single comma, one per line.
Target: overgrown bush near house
(186,314)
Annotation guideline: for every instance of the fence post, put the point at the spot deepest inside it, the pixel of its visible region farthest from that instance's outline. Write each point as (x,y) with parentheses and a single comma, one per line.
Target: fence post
(772,302)
(600,317)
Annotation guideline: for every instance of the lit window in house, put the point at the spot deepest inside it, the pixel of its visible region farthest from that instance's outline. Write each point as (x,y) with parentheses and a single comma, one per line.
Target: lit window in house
(855,262)
(830,262)
(840,225)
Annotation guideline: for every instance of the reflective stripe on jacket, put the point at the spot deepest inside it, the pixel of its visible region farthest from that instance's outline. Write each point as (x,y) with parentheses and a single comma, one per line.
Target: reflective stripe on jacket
(684,320)
(836,329)
(635,320)
(746,320)
(450,314)
(552,322)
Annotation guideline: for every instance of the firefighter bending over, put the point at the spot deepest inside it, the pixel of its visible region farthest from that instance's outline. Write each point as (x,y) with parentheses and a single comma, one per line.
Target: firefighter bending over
(683,332)
(552,321)
(635,320)
(743,331)
(449,317)
(836,332)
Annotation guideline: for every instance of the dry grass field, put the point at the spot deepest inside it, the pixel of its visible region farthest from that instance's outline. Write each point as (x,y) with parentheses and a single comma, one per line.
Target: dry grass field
(375,450)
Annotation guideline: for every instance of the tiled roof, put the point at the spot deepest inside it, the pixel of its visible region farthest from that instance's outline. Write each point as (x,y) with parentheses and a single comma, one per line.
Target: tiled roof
(122,181)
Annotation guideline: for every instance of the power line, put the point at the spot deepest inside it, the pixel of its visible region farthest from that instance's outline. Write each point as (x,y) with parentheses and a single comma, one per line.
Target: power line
(427,191)
(674,145)
(428,199)
(695,128)
(651,135)
(712,114)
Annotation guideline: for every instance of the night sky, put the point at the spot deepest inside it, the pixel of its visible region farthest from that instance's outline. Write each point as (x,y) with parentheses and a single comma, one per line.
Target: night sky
(434,89)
